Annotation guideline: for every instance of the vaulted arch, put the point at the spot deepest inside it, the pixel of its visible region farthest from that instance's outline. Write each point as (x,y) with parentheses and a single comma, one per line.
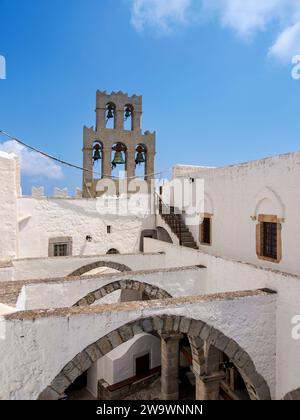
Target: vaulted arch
(149,291)
(196,330)
(98,264)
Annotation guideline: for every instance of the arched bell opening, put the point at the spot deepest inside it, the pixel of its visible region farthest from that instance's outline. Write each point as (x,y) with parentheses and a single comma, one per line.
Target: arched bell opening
(119,160)
(140,161)
(97,158)
(110,115)
(128,117)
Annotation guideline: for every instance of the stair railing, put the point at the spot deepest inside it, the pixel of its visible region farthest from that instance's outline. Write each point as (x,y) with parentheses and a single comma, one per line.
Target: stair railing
(178,225)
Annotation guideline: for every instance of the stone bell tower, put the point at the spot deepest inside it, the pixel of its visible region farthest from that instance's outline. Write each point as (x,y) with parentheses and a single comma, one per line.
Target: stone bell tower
(114,144)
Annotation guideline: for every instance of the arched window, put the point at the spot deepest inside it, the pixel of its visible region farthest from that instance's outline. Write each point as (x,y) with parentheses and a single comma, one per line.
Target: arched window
(110,115)
(119,158)
(113,251)
(140,161)
(128,117)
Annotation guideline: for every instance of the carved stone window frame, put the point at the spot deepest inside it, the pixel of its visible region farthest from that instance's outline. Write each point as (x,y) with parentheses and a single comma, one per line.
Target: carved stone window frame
(267,218)
(66,240)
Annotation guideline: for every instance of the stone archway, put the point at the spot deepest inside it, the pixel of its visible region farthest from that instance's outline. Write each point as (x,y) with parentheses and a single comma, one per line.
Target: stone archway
(99,264)
(293,395)
(150,291)
(165,325)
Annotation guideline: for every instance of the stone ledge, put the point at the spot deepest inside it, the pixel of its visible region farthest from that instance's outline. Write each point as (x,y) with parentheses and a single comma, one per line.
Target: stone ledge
(129,306)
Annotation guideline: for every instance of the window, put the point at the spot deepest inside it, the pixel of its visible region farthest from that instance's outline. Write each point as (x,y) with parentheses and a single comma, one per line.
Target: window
(205,230)
(268,240)
(60,250)
(108,229)
(60,247)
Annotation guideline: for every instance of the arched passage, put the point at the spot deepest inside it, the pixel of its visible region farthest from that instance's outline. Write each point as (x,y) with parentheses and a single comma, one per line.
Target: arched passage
(98,264)
(165,325)
(149,291)
(293,395)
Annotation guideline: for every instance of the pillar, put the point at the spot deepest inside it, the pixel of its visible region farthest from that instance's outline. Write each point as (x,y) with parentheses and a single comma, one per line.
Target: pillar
(100,118)
(87,175)
(136,121)
(106,162)
(130,161)
(170,366)
(119,119)
(208,386)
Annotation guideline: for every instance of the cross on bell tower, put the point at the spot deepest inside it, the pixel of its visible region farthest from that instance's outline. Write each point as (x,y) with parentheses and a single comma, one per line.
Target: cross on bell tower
(117,140)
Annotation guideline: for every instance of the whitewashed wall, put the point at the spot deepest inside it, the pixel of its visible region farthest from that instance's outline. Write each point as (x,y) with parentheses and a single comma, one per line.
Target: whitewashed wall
(35,349)
(43,219)
(225,275)
(236,193)
(47,268)
(9,171)
(60,294)
(119,364)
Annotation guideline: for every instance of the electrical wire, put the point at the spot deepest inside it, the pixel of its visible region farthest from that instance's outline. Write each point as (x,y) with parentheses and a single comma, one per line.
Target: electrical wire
(63,162)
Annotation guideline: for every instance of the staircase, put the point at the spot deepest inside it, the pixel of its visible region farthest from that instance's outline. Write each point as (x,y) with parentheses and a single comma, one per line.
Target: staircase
(175,221)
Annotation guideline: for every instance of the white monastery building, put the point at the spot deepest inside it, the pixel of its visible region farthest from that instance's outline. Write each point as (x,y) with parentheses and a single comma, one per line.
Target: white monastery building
(104,298)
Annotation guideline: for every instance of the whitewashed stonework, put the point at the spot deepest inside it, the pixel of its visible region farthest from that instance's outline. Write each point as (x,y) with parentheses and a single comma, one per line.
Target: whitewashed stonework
(52,312)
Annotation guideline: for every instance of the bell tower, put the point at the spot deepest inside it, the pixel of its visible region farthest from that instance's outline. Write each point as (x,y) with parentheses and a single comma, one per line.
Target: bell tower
(117,141)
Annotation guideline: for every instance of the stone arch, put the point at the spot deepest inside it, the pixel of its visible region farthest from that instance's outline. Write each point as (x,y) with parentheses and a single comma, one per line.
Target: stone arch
(292,395)
(164,324)
(113,251)
(163,235)
(99,264)
(267,194)
(150,291)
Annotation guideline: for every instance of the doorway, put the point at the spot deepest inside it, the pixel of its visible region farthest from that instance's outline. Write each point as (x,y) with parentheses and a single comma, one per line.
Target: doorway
(142,365)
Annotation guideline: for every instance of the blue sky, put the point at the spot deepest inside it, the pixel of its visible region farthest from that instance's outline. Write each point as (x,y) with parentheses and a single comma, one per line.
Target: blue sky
(215,77)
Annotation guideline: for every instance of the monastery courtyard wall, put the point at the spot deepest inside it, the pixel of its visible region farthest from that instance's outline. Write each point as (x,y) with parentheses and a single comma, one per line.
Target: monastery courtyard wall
(243,324)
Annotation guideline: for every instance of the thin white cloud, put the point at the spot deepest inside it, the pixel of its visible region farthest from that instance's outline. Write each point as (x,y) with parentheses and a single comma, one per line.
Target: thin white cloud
(160,14)
(245,17)
(287,44)
(32,163)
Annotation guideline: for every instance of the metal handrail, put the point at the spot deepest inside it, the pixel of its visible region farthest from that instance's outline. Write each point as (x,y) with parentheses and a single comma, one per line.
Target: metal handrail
(178,223)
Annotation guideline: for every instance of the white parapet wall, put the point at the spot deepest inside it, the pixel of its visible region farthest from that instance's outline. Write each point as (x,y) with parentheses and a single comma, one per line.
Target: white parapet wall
(59,293)
(47,268)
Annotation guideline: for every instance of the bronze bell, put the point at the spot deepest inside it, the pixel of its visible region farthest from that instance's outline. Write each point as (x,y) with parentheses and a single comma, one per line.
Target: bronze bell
(110,113)
(118,159)
(128,112)
(140,158)
(97,153)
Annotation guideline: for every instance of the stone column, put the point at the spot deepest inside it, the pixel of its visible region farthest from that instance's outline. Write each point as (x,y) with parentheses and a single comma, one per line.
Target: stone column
(149,167)
(100,118)
(106,162)
(119,119)
(170,366)
(136,121)
(87,175)
(208,386)
(130,162)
